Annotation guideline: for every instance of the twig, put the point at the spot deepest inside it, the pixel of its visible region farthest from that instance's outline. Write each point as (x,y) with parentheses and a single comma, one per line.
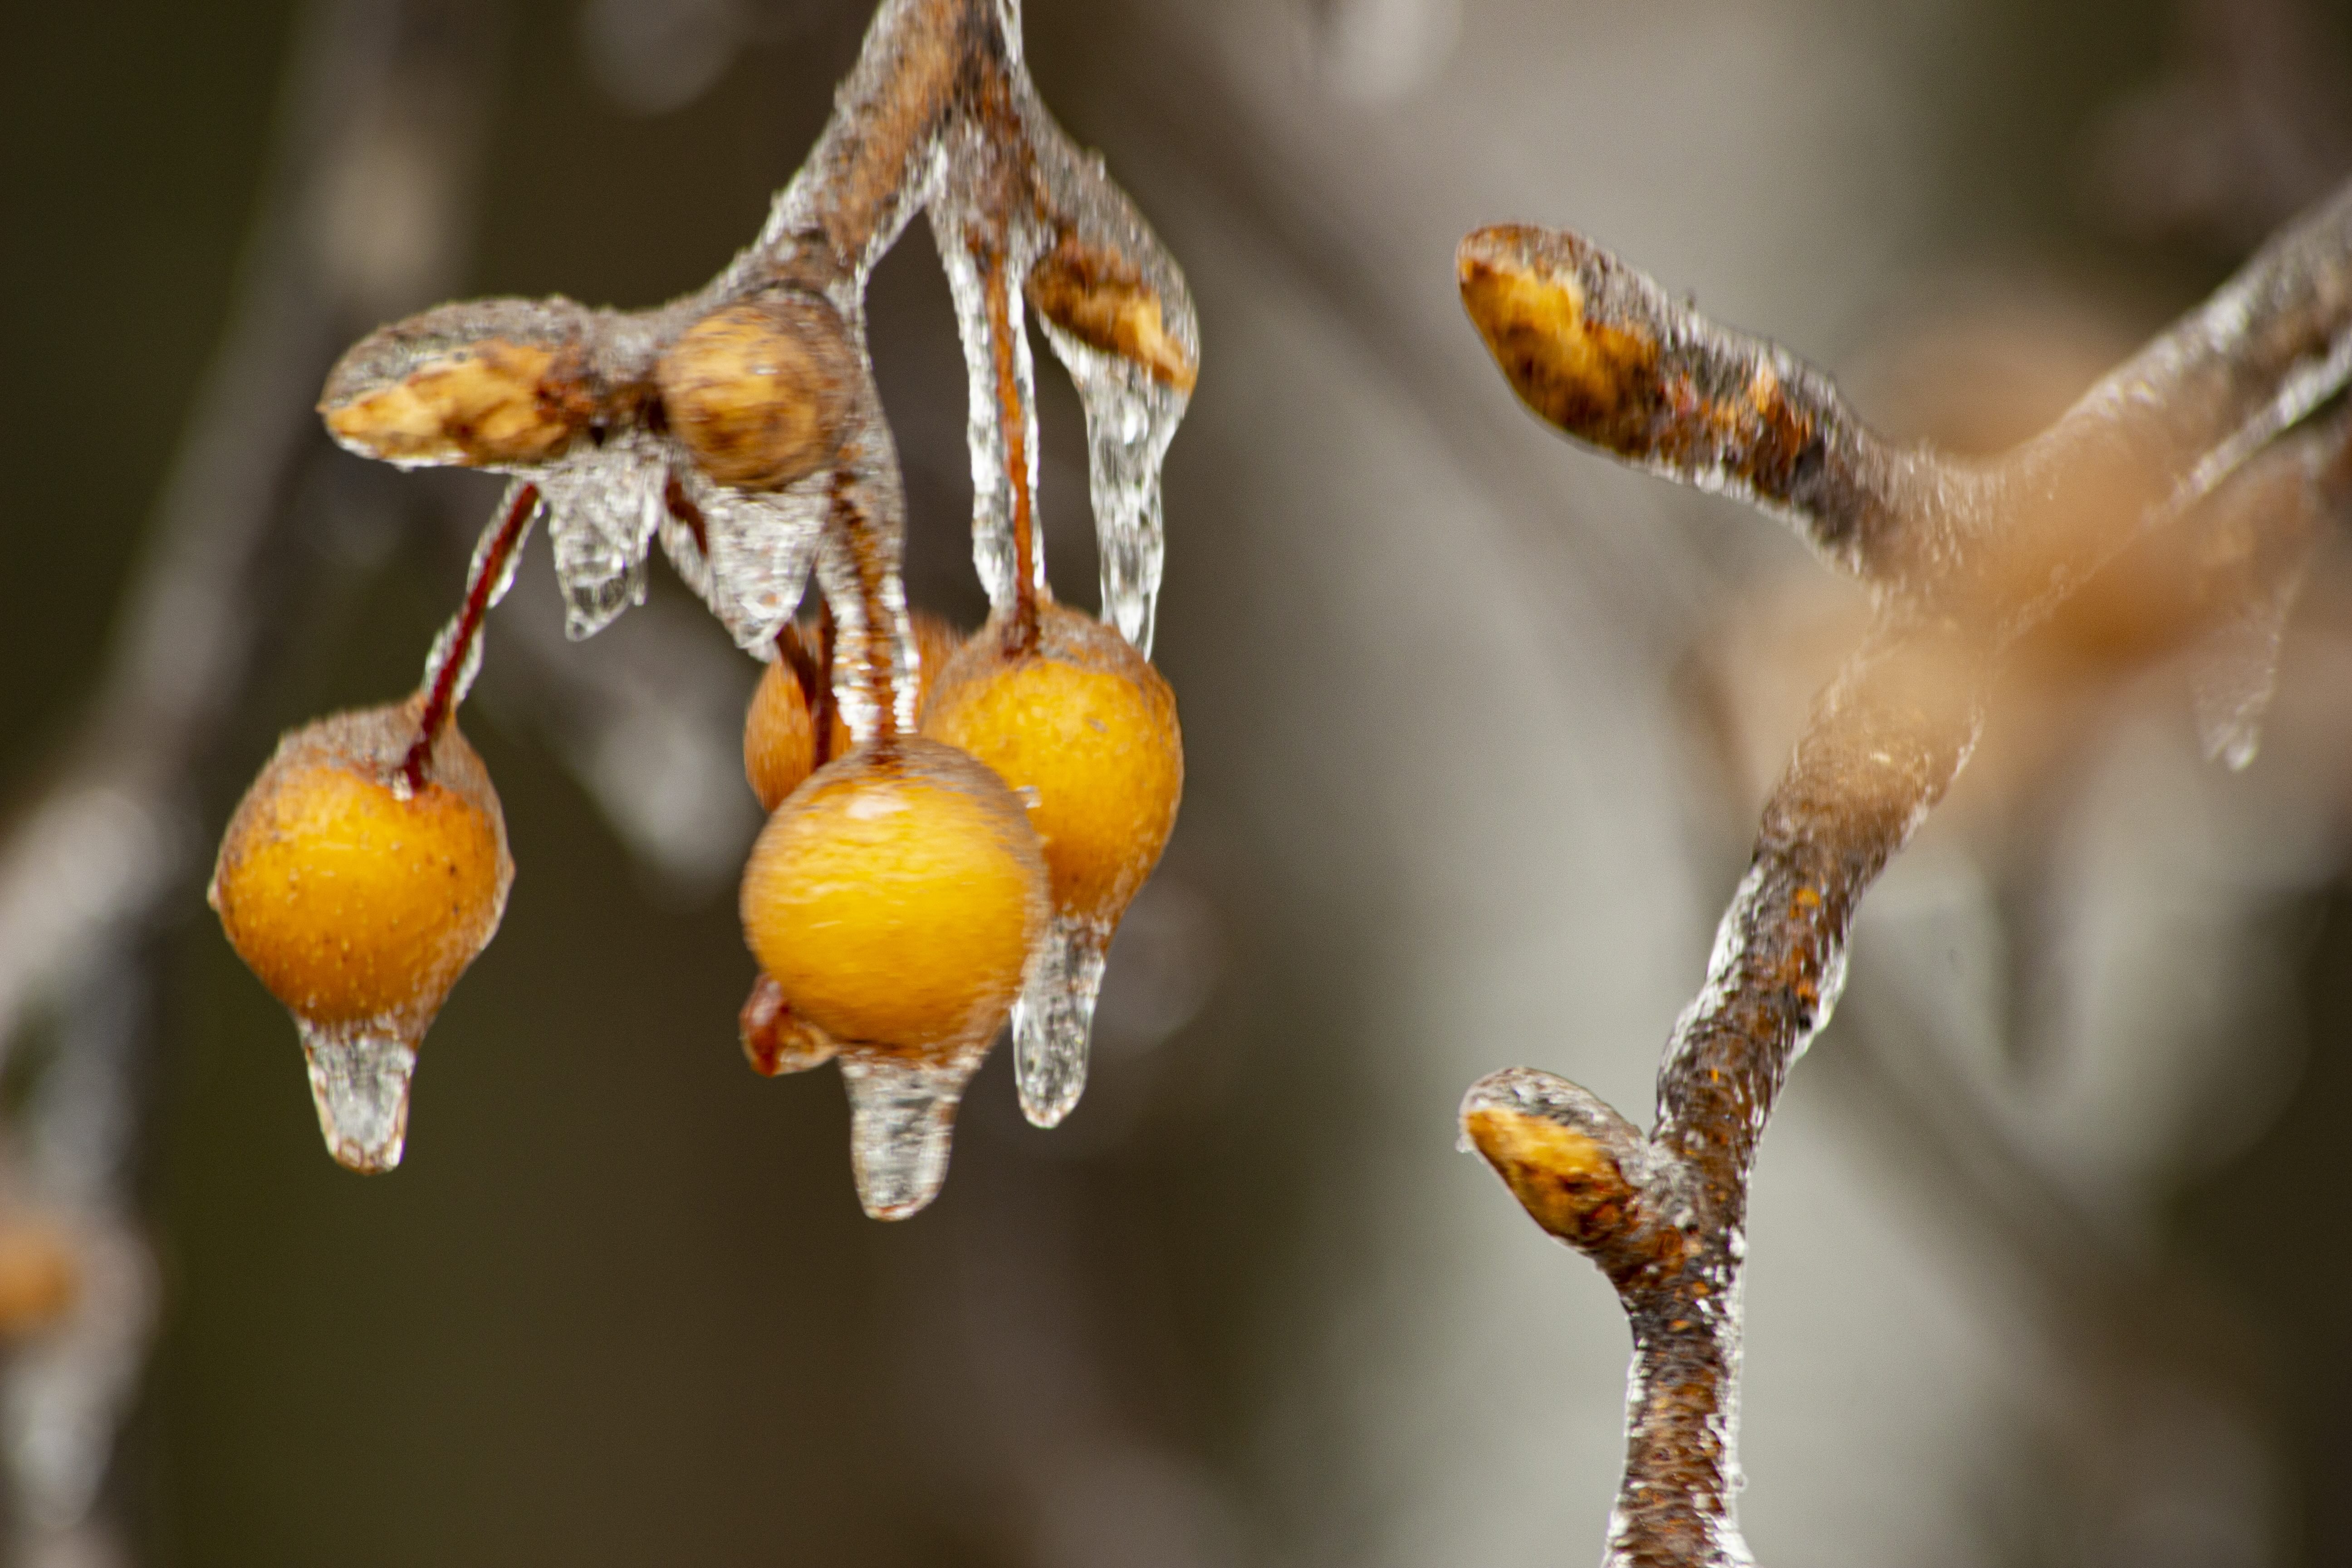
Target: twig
(1962,557)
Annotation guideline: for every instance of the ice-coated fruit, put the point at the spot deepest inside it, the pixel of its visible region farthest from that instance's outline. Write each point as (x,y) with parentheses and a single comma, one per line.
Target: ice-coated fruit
(349,894)
(894,899)
(1083,722)
(359,899)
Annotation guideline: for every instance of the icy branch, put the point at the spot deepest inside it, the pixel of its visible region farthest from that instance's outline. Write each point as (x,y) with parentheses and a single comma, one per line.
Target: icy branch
(1963,556)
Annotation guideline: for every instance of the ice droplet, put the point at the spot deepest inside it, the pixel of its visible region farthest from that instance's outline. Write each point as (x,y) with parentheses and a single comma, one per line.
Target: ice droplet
(751,565)
(1053,1016)
(603,511)
(992,547)
(358,1078)
(902,1123)
(1131,416)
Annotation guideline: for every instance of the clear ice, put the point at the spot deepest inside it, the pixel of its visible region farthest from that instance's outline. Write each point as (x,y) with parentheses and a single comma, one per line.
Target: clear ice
(437,659)
(845,577)
(1053,1017)
(358,1078)
(604,508)
(993,550)
(759,547)
(1131,416)
(901,1122)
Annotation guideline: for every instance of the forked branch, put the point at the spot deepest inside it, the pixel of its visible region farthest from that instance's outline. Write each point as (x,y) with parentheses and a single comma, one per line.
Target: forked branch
(1961,557)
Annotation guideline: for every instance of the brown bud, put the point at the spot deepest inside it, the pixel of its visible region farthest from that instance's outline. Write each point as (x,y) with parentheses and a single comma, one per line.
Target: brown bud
(1098,297)
(491,403)
(759,392)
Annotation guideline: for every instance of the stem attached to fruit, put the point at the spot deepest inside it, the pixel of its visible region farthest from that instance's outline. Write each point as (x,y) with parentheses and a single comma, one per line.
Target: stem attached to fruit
(490,571)
(1011,420)
(874,637)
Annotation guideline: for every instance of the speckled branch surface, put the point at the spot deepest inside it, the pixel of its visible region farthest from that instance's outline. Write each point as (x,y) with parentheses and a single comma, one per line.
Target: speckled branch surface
(1961,556)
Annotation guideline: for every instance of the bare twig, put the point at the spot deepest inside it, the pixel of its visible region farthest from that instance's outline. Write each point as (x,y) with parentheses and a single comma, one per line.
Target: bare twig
(1962,557)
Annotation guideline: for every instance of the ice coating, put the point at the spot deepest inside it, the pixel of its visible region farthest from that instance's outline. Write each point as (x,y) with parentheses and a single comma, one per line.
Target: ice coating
(752,565)
(359,901)
(1053,1017)
(901,1127)
(436,660)
(358,1080)
(993,503)
(872,170)
(603,513)
(1133,400)
(1131,416)
(858,567)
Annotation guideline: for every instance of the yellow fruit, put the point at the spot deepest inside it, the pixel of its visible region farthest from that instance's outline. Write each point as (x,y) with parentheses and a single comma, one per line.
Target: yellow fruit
(895,897)
(1084,724)
(353,898)
(779,739)
(759,392)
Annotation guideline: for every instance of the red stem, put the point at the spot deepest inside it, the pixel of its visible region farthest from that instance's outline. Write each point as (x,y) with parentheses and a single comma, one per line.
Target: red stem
(441,701)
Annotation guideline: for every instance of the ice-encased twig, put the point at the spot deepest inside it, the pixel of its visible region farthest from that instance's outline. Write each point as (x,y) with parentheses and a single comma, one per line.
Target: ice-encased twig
(1964,557)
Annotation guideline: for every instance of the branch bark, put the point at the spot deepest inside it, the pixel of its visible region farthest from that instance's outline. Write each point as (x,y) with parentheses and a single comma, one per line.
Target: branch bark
(1961,556)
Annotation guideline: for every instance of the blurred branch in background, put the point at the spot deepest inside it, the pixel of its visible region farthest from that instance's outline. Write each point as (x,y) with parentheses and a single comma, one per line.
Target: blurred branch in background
(366,214)
(1962,558)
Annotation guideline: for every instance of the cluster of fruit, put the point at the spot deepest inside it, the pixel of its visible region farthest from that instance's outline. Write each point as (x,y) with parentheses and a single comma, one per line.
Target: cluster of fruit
(948,817)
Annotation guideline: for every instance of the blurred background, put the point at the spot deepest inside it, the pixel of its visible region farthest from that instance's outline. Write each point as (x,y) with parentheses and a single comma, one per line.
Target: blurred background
(2047,1247)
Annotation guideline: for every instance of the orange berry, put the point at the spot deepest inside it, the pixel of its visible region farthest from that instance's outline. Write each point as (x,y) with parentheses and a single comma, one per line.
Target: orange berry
(759,392)
(779,738)
(1086,726)
(895,899)
(355,899)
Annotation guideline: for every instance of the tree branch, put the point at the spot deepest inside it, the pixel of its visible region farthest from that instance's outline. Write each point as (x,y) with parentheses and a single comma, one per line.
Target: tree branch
(1963,556)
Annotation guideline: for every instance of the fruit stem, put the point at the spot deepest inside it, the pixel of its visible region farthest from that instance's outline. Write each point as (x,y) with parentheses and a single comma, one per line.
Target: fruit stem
(1015,427)
(873,639)
(489,569)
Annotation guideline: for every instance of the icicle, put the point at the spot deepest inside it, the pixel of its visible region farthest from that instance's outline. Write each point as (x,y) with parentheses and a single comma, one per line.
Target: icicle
(902,1122)
(1133,403)
(603,511)
(358,1080)
(437,659)
(1131,416)
(751,565)
(993,546)
(1053,1016)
